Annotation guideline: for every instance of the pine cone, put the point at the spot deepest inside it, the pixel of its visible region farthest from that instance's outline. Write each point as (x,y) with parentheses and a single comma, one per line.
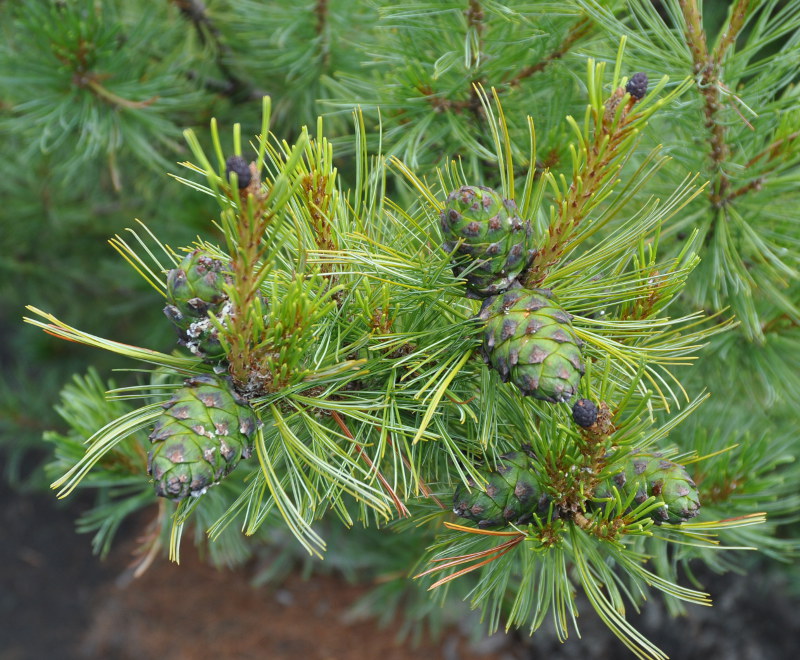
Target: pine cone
(205,430)
(194,289)
(529,340)
(493,242)
(511,495)
(651,475)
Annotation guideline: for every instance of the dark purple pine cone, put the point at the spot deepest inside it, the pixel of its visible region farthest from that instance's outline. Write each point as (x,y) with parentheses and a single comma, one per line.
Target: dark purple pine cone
(584,412)
(637,85)
(239,165)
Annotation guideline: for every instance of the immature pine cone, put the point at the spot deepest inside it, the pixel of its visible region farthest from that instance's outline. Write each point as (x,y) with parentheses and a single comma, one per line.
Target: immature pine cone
(529,340)
(511,495)
(205,430)
(194,289)
(493,241)
(650,475)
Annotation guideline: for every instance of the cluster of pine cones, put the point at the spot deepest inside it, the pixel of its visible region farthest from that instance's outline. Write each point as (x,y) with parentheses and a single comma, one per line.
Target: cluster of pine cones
(528,337)
(529,340)
(512,493)
(206,427)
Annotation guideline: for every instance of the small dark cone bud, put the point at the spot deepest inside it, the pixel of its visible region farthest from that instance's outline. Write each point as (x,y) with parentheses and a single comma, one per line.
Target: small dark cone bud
(239,165)
(584,412)
(637,85)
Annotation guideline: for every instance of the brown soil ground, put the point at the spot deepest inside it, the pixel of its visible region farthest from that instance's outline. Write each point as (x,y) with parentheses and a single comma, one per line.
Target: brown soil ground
(190,611)
(59,601)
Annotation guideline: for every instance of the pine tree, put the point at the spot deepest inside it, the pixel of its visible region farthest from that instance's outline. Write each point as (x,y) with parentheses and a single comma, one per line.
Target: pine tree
(362,352)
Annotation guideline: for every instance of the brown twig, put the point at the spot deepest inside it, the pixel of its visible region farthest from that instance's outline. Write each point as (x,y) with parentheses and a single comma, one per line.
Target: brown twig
(708,68)
(472,104)
(398,504)
(586,180)
(234,86)
(475,22)
(784,318)
(755,184)
(426,491)
(732,30)
(85,78)
(114,99)
(225,87)
(576,32)
(321,9)
(772,150)
(246,365)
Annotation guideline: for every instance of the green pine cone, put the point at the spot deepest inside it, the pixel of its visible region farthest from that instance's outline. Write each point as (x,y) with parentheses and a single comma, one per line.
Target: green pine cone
(529,340)
(205,430)
(194,289)
(511,495)
(652,475)
(493,242)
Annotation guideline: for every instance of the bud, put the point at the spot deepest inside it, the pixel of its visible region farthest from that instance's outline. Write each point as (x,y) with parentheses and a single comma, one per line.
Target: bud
(241,167)
(637,86)
(584,412)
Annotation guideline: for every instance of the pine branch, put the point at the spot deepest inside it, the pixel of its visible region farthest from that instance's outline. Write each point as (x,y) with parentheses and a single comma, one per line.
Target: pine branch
(322,11)
(601,152)
(351,339)
(91,81)
(475,18)
(475,29)
(737,17)
(708,69)
(232,85)
(772,152)
(476,26)
(94,86)
(779,324)
(577,32)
